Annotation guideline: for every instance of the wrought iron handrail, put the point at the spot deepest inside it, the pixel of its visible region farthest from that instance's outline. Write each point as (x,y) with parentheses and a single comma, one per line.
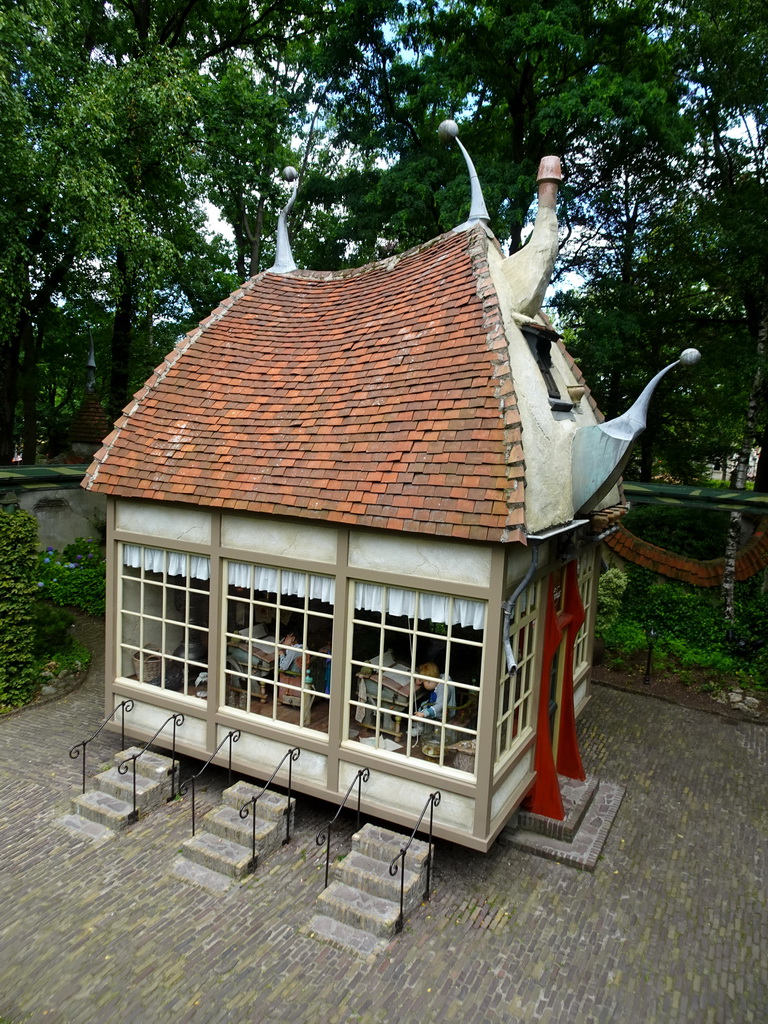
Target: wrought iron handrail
(124,706)
(293,754)
(432,801)
(233,736)
(178,721)
(324,835)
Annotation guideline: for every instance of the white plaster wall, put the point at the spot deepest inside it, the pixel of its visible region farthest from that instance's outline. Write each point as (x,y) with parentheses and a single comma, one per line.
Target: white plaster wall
(266,754)
(272,537)
(64,513)
(547,435)
(421,557)
(519,561)
(146,716)
(453,811)
(156,521)
(505,790)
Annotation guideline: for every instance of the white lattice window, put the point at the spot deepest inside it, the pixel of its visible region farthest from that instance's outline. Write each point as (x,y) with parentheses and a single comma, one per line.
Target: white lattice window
(586,576)
(164,614)
(415,670)
(279,627)
(513,720)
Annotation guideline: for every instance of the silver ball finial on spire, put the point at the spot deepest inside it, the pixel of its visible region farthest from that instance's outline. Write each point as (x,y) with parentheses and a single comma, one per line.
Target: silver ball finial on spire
(448,131)
(690,356)
(290,173)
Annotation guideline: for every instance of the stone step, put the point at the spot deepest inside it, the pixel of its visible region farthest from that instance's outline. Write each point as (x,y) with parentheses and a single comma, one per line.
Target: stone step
(149,792)
(154,766)
(269,806)
(344,936)
(372,876)
(104,809)
(219,854)
(384,844)
(225,822)
(197,874)
(83,827)
(361,910)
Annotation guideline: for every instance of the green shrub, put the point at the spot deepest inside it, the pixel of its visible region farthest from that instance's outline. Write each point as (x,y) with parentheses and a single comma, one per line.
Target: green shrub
(18,540)
(76,578)
(694,532)
(51,627)
(610,590)
(626,636)
(690,625)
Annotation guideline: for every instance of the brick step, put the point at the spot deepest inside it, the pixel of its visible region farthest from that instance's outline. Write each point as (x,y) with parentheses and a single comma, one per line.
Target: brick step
(85,828)
(218,854)
(345,936)
(104,809)
(200,875)
(383,844)
(152,765)
(578,796)
(361,910)
(225,822)
(372,876)
(149,792)
(270,806)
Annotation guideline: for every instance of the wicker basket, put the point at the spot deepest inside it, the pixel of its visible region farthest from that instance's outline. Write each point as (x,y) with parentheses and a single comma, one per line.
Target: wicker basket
(152,664)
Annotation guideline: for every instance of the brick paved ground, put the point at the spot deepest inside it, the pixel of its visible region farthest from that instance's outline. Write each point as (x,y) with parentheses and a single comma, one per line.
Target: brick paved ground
(672,926)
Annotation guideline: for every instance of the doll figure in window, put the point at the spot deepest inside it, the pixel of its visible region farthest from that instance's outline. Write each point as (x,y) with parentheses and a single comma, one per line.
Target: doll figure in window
(180,676)
(440,695)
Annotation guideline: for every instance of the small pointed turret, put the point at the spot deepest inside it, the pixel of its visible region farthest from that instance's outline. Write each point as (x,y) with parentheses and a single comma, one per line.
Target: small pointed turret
(601,452)
(529,270)
(478,212)
(284,262)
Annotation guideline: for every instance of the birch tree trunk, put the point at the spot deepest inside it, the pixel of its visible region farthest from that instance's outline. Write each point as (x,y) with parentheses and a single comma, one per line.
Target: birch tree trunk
(740,483)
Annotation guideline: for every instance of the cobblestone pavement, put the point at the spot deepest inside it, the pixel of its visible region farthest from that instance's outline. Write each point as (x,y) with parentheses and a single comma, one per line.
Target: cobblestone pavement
(671,927)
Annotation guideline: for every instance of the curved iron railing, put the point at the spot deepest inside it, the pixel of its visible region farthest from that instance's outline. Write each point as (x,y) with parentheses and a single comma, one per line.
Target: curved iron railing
(324,835)
(124,706)
(233,736)
(178,721)
(293,754)
(432,801)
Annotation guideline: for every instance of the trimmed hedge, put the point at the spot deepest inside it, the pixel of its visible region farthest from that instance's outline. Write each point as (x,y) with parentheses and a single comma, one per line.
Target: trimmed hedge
(18,592)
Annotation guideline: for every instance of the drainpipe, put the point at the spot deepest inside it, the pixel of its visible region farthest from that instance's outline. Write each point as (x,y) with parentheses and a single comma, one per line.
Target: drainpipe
(508,607)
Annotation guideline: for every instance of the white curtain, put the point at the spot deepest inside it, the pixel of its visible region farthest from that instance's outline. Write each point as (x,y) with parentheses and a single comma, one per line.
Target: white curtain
(437,607)
(368,596)
(154,561)
(293,584)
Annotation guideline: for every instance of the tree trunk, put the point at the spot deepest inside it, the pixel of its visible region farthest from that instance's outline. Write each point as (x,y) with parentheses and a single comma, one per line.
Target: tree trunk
(761,473)
(29,387)
(122,336)
(9,391)
(740,483)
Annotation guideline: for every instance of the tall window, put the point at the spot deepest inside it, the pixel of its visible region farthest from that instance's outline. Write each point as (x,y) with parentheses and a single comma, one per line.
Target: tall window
(164,610)
(416,667)
(279,627)
(585,574)
(516,688)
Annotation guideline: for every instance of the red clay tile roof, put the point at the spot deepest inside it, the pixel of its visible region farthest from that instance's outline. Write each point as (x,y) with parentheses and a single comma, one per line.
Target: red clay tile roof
(89,423)
(379,397)
(750,559)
